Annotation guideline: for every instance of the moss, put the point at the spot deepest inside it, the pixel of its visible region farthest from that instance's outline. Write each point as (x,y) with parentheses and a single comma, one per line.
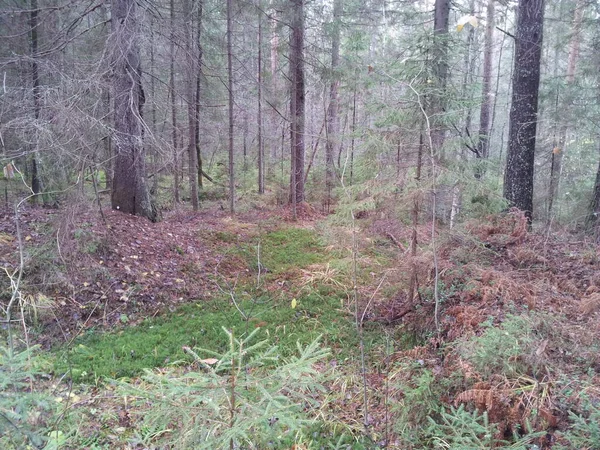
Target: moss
(158,342)
(285,249)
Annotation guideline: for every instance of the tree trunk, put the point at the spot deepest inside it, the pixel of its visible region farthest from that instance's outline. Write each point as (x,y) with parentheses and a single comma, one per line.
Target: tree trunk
(274,90)
(173,105)
(198,75)
(332,112)
(155,152)
(483,148)
(440,71)
(129,193)
(558,151)
(259,121)
(191,102)
(36,184)
(230,88)
(593,219)
(518,180)
(297,104)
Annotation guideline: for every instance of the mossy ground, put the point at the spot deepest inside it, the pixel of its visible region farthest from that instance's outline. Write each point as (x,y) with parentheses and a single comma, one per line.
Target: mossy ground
(298,314)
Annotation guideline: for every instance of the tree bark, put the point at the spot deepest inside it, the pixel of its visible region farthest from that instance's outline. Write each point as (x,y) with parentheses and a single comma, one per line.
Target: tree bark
(36,184)
(259,120)
(173,104)
(483,146)
(297,104)
(230,88)
(155,152)
(129,193)
(559,150)
(274,84)
(440,71)
(191,102)
(332,112)
(518,180)
(198,76)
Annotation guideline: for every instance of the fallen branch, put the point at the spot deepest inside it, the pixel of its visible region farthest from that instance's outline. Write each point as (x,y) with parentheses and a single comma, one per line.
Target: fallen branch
(396,241)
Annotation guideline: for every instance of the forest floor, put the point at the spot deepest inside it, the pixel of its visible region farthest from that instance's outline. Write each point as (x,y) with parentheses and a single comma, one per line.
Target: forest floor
(517,334)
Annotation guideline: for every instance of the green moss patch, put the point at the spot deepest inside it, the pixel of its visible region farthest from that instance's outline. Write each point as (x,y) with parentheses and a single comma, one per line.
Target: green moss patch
(285,249)
(158,342)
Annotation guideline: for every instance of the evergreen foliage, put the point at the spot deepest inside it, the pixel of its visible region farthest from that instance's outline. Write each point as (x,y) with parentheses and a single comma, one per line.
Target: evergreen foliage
(246,396)
(26,410)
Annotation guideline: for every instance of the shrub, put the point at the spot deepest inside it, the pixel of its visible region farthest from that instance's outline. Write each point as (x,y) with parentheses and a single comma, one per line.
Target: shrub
(246,397)
(585,432)
(25,413)
(501,349)
(458,429)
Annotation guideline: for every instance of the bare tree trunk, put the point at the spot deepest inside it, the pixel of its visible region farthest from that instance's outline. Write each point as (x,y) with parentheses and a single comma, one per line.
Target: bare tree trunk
(259,120)
(173,105)
(518,180)
(413,283)
(558,151)
(297,104)
(440,70)
(332,112)
(230,88)
(593,218)
(130,192)
(486,91)
(36,184)
(197,93)
(108,150)
(274,57)
(352,139)
(155,152)
(191,101)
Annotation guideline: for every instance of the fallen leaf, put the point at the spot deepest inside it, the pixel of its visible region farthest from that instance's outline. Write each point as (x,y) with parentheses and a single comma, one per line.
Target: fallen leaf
(210,361)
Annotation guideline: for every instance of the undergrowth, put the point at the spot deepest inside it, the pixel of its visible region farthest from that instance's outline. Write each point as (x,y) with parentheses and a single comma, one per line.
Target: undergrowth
(158,341)
(283,250)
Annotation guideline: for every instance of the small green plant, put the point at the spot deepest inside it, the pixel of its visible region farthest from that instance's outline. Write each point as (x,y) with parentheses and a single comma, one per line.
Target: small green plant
(459,429)
(420,399)
(502,349)
(585,431)
(26,412)
(245,397)
(226,236)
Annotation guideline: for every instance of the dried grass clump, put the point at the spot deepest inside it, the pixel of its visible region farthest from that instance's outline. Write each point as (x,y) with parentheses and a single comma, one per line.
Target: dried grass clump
(526,257)
(501,230)
(467,319)
(490,286)
(590,303)
(319,274)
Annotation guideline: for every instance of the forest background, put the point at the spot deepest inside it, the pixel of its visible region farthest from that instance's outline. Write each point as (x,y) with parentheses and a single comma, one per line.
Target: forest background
(419,123)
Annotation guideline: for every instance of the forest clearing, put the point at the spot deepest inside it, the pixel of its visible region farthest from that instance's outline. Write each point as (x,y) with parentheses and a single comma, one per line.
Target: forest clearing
(517,341)
(292,224)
